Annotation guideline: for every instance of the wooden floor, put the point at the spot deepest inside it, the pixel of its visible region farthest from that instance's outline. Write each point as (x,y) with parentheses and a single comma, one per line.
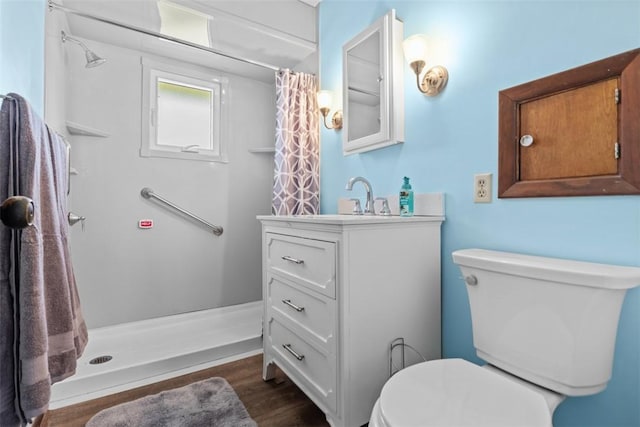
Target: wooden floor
(275,403)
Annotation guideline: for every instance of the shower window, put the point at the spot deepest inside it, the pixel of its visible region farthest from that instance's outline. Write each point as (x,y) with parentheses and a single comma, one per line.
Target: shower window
(185,110)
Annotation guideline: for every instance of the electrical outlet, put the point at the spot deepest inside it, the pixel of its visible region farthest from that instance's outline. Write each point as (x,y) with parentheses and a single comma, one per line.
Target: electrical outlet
(482,188)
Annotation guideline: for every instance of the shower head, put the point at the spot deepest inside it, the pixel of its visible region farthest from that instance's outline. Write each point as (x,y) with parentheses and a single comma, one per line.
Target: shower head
(93,60)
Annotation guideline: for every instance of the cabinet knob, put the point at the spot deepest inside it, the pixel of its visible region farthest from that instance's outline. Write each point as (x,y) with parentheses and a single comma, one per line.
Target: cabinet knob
(471,280)
(526,140)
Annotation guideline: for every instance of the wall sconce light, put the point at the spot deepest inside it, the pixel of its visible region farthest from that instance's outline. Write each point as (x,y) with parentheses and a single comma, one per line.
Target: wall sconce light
(416,53)
(324,104)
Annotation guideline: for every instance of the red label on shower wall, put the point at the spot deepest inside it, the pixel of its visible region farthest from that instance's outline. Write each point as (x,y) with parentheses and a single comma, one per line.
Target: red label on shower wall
(145,223)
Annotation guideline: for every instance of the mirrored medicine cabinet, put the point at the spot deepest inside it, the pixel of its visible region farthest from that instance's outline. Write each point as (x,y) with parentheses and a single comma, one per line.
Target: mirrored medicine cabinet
(373,93)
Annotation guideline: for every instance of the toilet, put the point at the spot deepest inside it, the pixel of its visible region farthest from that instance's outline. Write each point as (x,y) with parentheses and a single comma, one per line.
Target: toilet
(546,328)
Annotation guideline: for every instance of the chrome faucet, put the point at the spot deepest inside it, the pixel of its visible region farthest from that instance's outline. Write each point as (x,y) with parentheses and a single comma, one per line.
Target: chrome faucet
(369,208)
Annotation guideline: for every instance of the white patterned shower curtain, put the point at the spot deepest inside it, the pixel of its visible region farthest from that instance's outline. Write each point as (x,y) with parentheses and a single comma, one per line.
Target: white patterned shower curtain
(296,184)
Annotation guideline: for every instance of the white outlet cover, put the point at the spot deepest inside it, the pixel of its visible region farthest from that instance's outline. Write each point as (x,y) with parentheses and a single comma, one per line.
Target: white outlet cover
(482,193)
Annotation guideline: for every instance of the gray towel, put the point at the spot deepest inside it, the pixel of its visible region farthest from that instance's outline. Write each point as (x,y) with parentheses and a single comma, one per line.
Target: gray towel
(51,333)
(8,416)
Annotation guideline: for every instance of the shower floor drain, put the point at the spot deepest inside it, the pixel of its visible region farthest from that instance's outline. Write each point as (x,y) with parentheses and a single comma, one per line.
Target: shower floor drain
(100,359)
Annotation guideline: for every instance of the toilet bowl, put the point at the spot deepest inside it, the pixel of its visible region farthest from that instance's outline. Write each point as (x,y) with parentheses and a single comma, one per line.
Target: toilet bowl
(547,329)
(454,392)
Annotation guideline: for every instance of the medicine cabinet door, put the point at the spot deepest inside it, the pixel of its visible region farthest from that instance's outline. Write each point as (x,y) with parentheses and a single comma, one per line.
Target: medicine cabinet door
(372,87)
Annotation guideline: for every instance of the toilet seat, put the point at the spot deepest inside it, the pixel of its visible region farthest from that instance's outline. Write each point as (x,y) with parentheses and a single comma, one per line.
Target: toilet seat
(454,392)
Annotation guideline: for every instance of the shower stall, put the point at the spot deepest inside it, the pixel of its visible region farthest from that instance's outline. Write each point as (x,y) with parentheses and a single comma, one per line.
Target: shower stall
(160,292)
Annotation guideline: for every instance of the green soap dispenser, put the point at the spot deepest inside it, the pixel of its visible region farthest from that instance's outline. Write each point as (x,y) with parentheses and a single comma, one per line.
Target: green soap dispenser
(406,198)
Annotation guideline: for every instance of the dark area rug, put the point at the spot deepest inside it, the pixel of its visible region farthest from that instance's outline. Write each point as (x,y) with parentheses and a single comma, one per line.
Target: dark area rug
(207,403)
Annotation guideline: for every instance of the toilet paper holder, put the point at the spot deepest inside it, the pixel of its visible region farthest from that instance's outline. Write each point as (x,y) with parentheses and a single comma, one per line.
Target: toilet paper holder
(399,343)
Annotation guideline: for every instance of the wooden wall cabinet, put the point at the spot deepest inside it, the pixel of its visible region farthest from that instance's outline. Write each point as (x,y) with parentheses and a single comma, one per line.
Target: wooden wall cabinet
(575,133)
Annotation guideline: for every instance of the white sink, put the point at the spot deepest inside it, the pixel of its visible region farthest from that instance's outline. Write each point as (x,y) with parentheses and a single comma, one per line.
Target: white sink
(349,219)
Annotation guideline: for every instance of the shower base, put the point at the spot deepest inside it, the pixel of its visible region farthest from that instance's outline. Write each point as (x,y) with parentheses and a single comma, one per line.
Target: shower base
(153,350)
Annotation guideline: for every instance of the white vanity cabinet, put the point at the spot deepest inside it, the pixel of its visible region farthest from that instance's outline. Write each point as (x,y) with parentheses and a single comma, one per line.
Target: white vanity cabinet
(337,290)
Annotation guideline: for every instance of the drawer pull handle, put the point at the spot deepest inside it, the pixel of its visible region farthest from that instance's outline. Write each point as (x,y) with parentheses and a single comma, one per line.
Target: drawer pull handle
(292,351)
(292,305)
(294,260)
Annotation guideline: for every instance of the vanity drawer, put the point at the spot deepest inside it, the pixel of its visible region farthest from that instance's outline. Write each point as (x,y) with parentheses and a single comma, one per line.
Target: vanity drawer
(314,368)
(310,263)
(309,311)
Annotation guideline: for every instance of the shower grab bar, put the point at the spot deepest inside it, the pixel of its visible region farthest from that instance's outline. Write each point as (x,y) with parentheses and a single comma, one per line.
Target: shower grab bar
(148,193)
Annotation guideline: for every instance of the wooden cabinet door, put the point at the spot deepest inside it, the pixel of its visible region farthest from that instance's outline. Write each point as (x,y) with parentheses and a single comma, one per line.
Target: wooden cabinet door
(574,133)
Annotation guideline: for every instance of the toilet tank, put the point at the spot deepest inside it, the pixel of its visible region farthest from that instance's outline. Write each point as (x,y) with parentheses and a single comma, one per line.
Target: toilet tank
(550,321)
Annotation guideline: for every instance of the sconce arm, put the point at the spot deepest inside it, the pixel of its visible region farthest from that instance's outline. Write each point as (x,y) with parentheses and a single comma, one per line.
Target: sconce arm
(336,119)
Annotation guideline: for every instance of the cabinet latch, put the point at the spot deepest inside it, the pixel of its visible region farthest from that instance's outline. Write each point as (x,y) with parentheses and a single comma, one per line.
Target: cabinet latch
(616,150)
(616,96)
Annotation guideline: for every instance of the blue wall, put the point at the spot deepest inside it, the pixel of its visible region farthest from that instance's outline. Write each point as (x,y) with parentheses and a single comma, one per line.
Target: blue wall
(494,45)
(22,50)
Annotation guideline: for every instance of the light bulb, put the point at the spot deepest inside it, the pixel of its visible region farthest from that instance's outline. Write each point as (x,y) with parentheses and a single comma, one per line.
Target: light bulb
(415,48)
(324,99)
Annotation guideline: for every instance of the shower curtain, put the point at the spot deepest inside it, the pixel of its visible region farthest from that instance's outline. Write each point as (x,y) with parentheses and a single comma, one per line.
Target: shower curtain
(296,184)
(42,327)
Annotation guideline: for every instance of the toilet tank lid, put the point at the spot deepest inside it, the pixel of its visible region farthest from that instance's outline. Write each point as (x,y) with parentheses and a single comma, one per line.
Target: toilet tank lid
(606,276)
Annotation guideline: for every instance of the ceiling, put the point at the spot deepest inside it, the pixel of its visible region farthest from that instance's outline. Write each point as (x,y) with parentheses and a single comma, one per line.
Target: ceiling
(281,33)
